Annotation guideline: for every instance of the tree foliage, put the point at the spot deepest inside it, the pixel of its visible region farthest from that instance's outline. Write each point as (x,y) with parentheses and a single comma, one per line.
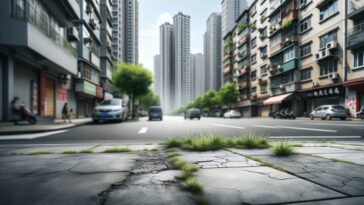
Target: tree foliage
(150,99)
(228,94)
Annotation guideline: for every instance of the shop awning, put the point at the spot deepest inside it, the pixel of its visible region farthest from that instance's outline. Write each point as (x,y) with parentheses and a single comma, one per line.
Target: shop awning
(276,99)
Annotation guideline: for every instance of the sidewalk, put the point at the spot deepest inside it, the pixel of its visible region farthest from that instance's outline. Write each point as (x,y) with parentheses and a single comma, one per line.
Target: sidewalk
(8,128)
(319,173)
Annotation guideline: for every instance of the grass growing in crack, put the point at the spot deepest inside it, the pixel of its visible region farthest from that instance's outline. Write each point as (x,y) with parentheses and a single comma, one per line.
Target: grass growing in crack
(192,185)
(173,154)
(251,141)
(187,167)
(173,142)
(264,163)
(210,142)
(86,151)
(204,143)
(183,175)
(38,152)
(283,148)
(117,150)
(69,152)
(340,160)
(155,150)
(297,145)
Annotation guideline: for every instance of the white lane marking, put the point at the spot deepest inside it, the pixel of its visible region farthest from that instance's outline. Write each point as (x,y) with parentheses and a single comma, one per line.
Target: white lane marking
(143,130)
(227,126)
(29,136)
(309,129)
(345,125)
(265,126)
(314,137)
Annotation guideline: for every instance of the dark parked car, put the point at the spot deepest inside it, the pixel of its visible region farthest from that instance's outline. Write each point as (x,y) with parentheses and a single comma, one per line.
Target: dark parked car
(193,113)
(155,112)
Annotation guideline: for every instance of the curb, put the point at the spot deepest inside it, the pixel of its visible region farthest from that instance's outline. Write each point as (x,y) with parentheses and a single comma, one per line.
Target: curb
(16,132)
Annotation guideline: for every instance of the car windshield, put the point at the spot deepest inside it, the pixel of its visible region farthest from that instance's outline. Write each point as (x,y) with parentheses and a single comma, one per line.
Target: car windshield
(155,110)
(111,102)
(338,107)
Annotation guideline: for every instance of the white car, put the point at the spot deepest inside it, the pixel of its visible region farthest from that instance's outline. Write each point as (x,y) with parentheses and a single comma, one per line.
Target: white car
(232,114)
(110,110)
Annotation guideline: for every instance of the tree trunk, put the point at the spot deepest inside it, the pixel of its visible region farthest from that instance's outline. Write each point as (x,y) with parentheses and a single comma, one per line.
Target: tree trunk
(132,107)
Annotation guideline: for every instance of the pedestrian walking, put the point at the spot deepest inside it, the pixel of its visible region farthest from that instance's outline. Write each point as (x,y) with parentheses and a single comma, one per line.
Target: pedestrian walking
(66,113)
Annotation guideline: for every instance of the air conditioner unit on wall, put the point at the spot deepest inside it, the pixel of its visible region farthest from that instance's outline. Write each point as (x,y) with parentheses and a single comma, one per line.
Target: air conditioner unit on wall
(333,76)
(72,34)
(281,86)
(331,45)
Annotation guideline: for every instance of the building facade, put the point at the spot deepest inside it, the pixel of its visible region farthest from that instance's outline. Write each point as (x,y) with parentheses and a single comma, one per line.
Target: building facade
(38,55)
(198,75)
(157,76)
(167,66)
(125,31)
(182,30)
(213,52)
(284,63)
(231,9)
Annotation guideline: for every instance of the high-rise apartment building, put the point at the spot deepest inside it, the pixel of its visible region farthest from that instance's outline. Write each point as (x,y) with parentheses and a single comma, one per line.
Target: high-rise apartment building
(125,42)
(213,52)
(231,9)
(157,76)
(181,29)
(198,75)
(309,53)
(167,66)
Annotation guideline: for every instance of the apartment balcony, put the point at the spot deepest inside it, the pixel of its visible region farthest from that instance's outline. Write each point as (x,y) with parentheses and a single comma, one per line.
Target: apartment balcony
(288,40)
(227,70)
(276,6)
(242,71)
(244,39)
(285,88)
(356,9)
(243,85)
(356,36)
(279,68)
(73,8)
(29,29)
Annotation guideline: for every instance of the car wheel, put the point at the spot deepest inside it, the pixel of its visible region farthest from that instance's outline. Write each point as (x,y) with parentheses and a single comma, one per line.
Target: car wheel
(95,121)
(198,118)
(343,118)
(312,117)
(328,117)
(161,119)
(150,119)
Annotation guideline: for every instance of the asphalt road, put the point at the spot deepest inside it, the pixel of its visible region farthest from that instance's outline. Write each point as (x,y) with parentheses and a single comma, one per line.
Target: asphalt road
(144,131)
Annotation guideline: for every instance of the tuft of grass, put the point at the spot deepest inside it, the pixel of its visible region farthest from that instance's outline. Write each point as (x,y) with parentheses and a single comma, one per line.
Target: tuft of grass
(86,151)
(187,167)
(283,148)
(193,185)
(178,162)
(184,175)
(117,150)
(204,143)
(69,152)
(38,152)
(155,150)
(173,154)
(173,142)
(200,199)
(252,142)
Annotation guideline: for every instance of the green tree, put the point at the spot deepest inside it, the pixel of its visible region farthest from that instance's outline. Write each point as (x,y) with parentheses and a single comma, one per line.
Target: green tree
(132,80)
(150,99)
(209,99)
(228,95)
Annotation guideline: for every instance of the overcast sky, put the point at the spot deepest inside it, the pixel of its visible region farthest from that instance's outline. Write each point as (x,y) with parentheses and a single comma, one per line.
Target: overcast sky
(153,13)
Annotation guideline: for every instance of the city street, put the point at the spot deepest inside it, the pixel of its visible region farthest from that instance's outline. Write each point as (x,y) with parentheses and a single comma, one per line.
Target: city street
(143,131)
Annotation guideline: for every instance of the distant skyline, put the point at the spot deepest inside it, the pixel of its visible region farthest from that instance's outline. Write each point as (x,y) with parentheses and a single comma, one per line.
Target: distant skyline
(153,13)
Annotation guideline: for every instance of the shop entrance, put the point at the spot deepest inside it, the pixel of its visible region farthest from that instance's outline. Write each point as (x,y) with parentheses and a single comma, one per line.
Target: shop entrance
(50,87)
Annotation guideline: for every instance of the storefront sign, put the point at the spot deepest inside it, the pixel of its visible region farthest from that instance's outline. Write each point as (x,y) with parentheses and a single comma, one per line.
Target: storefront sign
(99,92)
(325,92)
(62,94)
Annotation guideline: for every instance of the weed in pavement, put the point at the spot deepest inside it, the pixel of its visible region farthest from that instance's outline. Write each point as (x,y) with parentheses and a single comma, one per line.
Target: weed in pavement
(204,143)
(283,148)
(117,150)
(39,152)
(251,142)
(69,152)
(173,142)
(193,185)
(86,151)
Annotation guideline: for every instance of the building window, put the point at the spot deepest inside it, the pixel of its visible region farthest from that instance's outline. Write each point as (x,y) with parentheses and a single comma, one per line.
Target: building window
(254,59)
(253,42)
(263,88)
(264,32)
(264,70)
(253,90)
(263,52)
(253,75)
(306,50)
(331,36)
(328,10)
(306,74)
(289,54)
(328,67)
(305,24)
(358,57)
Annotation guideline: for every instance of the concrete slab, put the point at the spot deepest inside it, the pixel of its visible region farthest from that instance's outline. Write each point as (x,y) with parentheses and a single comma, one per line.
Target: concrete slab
(152,188)
(253,151)
(132,147)
(60,179)
(354,157)
(214,159)
(51,149)
(343,177)
(351,201)
(258,185)
(321,150)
